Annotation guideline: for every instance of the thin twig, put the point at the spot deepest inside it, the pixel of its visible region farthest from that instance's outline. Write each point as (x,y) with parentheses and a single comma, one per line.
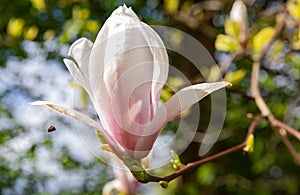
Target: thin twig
(261,104)
(288,144)
(240,92)
(282,129)
(253,124)
(289,129)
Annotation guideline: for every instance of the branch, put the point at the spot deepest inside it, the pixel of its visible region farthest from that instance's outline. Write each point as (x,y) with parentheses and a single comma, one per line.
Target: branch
(261,104)
(280,127)
(288,144)
(194,165)
(276,123)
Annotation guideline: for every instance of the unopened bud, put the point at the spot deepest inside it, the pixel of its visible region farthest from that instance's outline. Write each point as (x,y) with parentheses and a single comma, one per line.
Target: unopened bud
(163,184)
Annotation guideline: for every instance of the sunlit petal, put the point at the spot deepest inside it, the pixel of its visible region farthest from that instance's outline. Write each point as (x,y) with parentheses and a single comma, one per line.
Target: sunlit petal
(190,95)
(78,61)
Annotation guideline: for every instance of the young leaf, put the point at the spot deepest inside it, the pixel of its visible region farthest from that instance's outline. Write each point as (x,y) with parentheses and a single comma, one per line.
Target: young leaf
(262,38)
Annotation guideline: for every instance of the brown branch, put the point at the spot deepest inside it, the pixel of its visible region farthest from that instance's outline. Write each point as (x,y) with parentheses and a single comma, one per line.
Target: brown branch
(288,144)
(261,104)
(280,127)
(196,164)
(287,128)
(253,124)
(254,87)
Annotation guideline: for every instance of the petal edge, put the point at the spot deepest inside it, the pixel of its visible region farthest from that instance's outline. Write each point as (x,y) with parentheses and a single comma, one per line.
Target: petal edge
(190,95)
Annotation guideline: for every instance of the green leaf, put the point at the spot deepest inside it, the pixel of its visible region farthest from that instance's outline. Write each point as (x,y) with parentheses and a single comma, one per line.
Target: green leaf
(294,60)
(15,27)
(295,40)
(232,28)
(235,77)
(171,5)
(262,38)
(249,144)
(293,7)
(227,43)
(277,48)
(136,169)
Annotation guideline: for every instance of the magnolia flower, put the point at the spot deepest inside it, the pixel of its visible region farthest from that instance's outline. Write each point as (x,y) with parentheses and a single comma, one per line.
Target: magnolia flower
(238,14)
(123,72)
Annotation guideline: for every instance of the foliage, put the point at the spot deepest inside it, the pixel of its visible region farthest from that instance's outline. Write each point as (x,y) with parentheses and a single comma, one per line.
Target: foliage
(51,25)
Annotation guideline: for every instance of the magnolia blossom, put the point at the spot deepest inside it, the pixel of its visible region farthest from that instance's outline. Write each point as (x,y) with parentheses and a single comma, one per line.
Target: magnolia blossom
(238,14)
(123,72)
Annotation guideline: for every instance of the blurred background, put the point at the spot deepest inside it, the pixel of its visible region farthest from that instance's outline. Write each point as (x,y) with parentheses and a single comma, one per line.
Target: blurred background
(34,38)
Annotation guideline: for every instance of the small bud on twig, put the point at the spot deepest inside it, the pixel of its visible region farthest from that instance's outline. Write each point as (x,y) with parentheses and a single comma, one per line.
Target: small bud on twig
(176,163)
(249,145)
(250,116)
(163,184)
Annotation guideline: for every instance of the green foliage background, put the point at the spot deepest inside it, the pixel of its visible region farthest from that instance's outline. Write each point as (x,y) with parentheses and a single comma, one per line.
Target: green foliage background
(269,169)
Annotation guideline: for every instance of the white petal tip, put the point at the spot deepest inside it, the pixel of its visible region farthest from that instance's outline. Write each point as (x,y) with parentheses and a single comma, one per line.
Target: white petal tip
(38,103)
(124,10)
(211,87)
(221,84)
(227,84)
